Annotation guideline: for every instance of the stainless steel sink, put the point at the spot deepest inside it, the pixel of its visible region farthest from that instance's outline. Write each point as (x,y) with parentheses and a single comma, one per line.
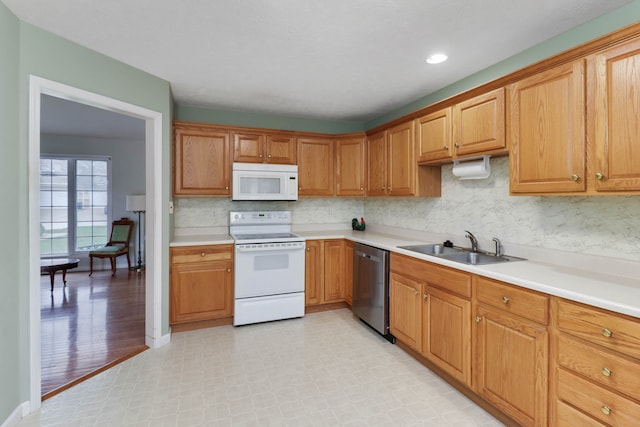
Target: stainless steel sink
(458,254)
(437,250)
(476,258)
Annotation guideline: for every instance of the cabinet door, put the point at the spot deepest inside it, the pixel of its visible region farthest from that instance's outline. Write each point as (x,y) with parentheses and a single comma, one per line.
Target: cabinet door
(281,149)
(615,118)
(350,167)
(202,162)
(402,163)
(315,167)
(447,333)
(547,131)
(334,270)
(405,310)
(433,133)
(478,124)
(348,280)
(377,164)
(314,273)
(512,357)
(201,291)
(248,147)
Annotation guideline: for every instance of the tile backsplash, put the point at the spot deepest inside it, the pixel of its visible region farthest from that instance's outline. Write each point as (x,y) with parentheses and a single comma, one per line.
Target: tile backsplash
(601,225)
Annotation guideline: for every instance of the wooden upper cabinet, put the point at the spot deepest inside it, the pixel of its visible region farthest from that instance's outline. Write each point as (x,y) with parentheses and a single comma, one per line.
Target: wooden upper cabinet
(281,149)
(433,134)
(248,148)
(264,148)
(614,120)
(377,164)
(402,165)
(547,131)
(350,166)
(202,161)
(478,124)
(315,166)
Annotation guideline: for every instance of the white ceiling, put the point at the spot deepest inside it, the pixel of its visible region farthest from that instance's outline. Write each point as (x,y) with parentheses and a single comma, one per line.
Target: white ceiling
(349,60)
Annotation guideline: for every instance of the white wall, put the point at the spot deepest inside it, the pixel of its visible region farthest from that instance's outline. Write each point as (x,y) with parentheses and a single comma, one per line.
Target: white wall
(127,172)
(600,225)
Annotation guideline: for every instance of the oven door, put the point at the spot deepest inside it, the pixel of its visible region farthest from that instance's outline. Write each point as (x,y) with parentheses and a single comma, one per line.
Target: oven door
(269,269)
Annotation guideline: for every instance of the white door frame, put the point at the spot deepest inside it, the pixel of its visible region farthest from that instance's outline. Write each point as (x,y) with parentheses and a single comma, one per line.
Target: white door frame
(153,166)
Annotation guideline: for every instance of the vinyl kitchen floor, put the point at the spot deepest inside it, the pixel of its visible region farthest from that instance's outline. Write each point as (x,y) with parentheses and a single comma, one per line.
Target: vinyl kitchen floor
(326,369)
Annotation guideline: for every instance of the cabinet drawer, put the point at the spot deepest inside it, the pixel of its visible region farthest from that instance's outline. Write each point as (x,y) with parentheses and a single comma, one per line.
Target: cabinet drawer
(613,331)
(186,254)
(567,416)
(442,277)
(528,304)
(606,406)
(599,365)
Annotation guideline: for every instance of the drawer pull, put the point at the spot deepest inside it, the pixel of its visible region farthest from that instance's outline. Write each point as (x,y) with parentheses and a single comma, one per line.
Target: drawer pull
(505,299)
(478,319)
(416,292)
(202,254)
(228,270)
(425,296)
(606,410)
(606,333)
(606,372)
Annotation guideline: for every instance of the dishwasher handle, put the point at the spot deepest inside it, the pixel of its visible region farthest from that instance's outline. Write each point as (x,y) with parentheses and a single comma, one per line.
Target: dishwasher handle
(367,256)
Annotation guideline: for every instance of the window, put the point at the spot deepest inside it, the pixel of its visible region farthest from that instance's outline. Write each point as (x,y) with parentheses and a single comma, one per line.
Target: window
(74,204)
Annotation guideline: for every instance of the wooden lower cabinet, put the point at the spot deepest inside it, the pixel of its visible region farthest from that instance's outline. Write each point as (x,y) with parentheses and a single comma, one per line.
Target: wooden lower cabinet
(447,333)
(201,283)
(512,351)
(348,279)
(325,272)
(405,310)
(596,369)
(512,359)
(430,311)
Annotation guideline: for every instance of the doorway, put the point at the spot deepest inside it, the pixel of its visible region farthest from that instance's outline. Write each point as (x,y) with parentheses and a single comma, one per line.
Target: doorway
(91,161)
(153,226)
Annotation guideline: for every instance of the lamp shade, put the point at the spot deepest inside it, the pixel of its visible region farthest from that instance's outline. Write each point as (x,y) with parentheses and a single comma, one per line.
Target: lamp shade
(136,203)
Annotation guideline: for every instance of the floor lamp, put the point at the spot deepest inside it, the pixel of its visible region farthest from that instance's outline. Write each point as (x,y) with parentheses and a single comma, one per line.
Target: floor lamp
(137,204)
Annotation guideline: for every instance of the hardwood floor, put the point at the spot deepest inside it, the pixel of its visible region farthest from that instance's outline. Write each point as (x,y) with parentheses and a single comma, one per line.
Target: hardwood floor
(92,324)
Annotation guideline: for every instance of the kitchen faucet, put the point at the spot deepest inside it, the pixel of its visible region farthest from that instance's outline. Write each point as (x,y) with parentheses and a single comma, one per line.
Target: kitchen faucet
(474,241)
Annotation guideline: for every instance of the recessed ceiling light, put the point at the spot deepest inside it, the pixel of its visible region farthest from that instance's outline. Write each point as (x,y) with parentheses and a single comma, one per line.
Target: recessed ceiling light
(436,58)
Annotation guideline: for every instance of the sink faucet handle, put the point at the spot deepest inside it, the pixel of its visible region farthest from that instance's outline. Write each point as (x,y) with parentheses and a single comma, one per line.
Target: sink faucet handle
(498,246)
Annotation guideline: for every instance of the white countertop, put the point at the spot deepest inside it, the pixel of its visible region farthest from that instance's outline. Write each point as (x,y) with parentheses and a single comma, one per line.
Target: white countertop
(608,283)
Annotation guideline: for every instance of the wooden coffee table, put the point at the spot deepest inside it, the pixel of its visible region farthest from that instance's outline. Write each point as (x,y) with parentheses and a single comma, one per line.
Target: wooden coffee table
(52,265)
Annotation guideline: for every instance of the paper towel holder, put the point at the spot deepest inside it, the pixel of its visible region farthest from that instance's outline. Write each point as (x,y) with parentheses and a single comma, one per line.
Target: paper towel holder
(477,167)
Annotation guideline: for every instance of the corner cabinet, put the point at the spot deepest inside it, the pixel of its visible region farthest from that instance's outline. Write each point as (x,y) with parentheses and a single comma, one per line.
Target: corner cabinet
(547,131)
(202,161)
(326,267)
(391,166)
(201,283)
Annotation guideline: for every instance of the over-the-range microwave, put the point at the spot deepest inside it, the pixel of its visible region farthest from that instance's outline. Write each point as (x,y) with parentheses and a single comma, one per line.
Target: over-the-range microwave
(257,181)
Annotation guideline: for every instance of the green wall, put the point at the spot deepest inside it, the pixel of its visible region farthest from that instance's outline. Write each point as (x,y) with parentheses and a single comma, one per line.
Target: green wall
(35,52)
(12,299)
(267,121)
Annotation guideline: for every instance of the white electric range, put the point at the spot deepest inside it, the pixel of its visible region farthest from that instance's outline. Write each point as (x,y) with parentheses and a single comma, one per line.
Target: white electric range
(269,267)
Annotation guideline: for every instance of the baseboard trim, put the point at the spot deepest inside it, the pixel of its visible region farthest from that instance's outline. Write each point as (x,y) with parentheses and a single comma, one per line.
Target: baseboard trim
(18,414)
(153,343)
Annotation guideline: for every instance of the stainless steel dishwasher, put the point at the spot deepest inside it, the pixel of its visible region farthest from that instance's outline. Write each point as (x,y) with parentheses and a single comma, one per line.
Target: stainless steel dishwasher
(371,288)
